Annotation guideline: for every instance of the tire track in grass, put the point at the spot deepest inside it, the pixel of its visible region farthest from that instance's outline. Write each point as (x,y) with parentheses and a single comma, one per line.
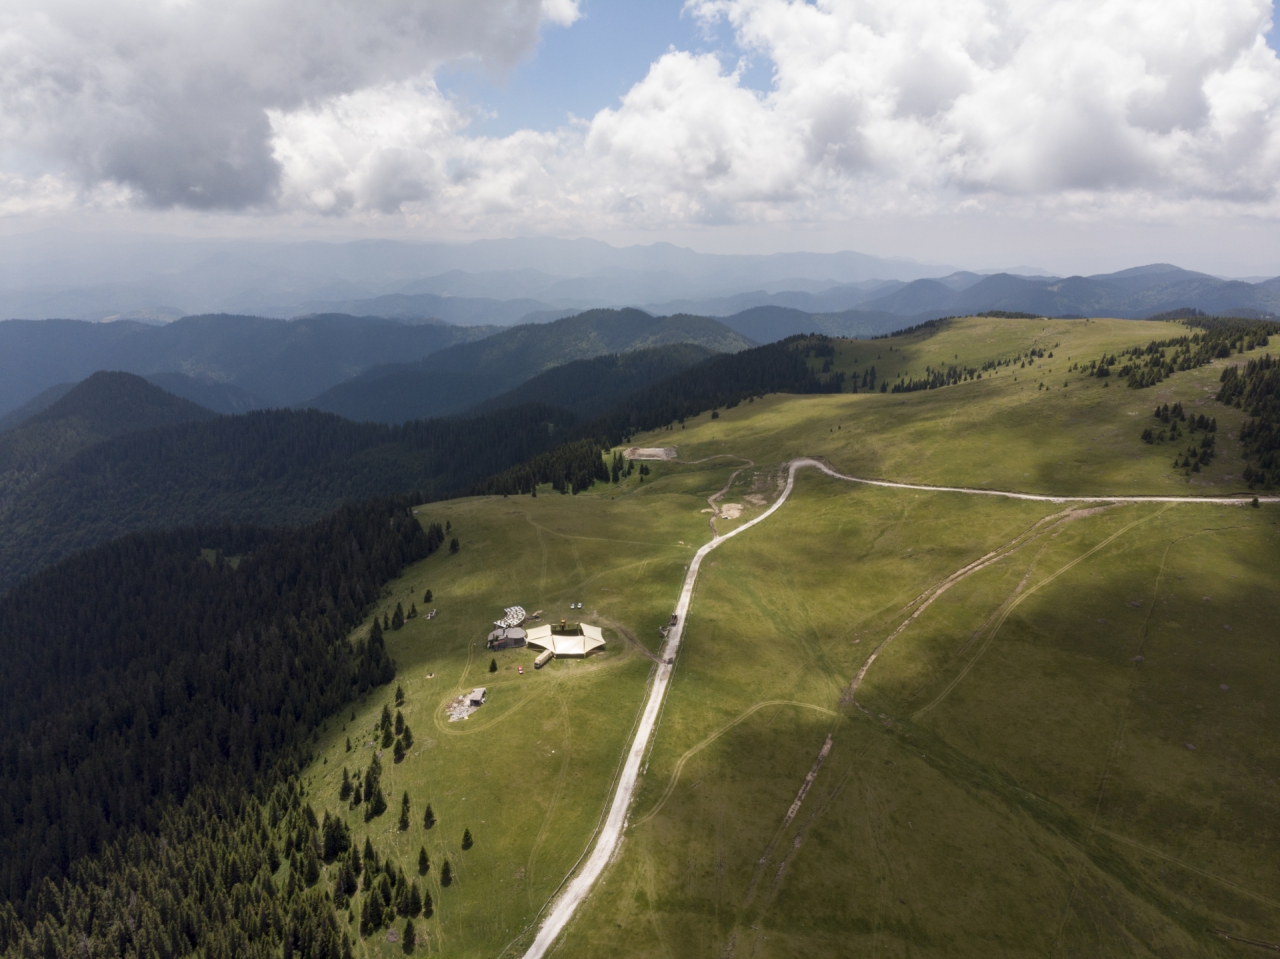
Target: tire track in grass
(1018,601)
(689,754)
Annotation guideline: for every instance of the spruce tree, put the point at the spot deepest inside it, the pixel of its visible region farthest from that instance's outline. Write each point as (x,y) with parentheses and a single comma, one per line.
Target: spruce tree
(453,545)
(426,597)
(415,900)
(466,839)
(399,696)
(428,818)
(446,874)
(387,738)
(404,812)
(377,804)
(399,726)
(348,744)
(407,737)
(493,665)
(410,938)
(397,618)
(424,861)
(344,791)
(397,752)
(428,905)
(384,722)
(310,866)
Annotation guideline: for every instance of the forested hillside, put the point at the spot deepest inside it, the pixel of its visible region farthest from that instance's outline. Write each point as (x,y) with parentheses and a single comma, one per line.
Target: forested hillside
(462,376)
(268,467)
(159,688)
(291,467)
(585,387)
(104,406)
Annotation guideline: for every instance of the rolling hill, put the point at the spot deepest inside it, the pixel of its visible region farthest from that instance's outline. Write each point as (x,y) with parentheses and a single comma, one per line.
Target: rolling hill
(585,387)
(458,378)
(104,406)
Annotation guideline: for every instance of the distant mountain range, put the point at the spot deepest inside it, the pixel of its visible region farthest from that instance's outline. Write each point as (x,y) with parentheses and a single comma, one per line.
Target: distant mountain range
(457,378)
(268,362)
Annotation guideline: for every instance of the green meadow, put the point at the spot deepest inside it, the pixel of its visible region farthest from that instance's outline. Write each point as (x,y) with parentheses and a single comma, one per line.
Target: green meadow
(1050,726)
(530,772)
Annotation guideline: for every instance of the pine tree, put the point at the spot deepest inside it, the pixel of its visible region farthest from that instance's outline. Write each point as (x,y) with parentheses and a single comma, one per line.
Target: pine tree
(446,874)
(415,900)
(344,791)
(397,618)
(466,839)
(397,752)
(386,623)
(413,611)
(404,811)
(310,866)
(357,866)
(426,597)
(428,905)
(377,803)
(387,738)
(428,818)
(410,938)
(453,545)
(407,736)
(399,696)
(348,744)
(493,665)
(424,861)
(375,636)
(399,726)
(385,721)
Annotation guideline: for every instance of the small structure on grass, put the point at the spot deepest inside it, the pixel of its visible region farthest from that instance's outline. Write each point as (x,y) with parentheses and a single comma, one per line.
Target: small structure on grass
(477,696)
(509,637)
(578,639)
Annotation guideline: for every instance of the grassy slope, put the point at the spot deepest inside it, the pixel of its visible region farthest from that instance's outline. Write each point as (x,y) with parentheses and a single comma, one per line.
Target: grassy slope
(1002,431)
(530,772)
(1019,784)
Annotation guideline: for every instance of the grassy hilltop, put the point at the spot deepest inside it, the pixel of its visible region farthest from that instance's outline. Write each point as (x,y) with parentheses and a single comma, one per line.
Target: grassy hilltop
(1065,744)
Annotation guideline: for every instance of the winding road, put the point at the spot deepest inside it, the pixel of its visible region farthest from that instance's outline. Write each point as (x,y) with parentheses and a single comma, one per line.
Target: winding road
(611,833)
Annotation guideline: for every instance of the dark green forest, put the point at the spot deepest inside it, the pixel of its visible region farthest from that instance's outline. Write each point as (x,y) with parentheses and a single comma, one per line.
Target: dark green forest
(164,685)
(1255,388)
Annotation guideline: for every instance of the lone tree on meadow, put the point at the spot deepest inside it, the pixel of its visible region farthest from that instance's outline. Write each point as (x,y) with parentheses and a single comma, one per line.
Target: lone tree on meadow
(493,665)
(466,839)
(453,545)
(446,874)
(424,861)
(404,812)
(428,818)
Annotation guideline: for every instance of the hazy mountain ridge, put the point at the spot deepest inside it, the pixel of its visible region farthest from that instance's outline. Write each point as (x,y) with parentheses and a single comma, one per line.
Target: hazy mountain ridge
(465,375)
(280,362)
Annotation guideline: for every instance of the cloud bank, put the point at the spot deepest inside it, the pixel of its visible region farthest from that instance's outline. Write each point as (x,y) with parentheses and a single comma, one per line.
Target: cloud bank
(1083,108)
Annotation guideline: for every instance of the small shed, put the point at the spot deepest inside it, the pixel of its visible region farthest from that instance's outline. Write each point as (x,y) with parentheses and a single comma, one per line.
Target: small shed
(477,696)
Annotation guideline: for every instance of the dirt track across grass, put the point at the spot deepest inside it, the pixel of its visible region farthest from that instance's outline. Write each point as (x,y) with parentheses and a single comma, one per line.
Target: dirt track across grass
(611,834)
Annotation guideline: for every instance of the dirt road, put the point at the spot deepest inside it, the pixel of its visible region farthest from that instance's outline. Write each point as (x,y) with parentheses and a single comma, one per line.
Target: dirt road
(611,834)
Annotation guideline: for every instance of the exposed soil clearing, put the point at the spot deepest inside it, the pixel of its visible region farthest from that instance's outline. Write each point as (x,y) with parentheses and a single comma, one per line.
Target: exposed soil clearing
(607,840)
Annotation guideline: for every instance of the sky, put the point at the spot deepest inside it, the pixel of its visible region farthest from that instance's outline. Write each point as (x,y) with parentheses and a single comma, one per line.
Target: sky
(1073,135)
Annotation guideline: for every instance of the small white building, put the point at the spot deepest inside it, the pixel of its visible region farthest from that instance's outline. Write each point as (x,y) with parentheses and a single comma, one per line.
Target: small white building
(477,696)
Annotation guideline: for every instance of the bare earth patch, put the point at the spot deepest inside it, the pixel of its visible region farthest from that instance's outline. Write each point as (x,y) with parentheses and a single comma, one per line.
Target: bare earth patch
(460,708)
(650,453)
(731,510)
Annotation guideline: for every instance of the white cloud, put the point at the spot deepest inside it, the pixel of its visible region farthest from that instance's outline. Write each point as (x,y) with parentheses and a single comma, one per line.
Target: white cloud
(171,97)
(1062,108)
